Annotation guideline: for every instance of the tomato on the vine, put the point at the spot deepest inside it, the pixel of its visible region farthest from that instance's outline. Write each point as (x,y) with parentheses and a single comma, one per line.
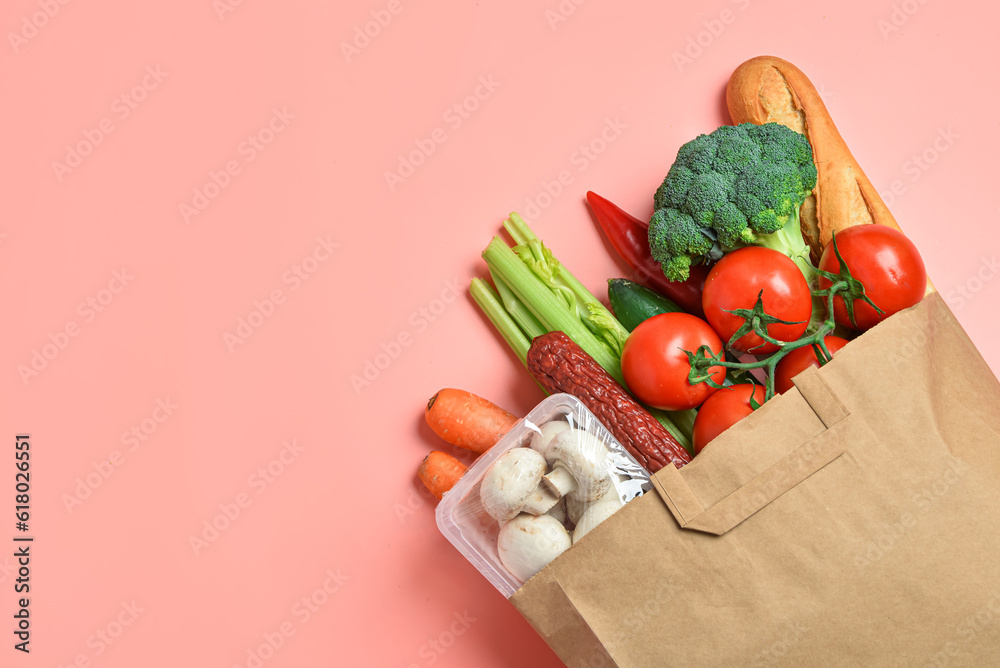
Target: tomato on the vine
(885,262)
(722,410)
(737,279)
(655,366)
(800,359)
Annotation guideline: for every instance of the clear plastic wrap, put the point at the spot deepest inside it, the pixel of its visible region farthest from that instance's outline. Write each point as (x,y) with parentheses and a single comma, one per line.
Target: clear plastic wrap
(552,478)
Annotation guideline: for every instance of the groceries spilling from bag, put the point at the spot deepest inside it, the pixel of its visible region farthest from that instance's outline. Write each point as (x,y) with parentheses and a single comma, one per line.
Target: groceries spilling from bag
(767,254)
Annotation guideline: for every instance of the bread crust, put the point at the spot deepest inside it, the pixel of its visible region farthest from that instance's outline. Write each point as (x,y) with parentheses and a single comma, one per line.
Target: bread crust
(768,89)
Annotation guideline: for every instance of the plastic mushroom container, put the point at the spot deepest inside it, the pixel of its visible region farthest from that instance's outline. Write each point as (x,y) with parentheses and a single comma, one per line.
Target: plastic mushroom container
(550,480)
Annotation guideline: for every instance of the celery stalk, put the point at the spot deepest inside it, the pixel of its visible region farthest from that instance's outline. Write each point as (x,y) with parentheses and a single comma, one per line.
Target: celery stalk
(562,282)
(524,318)
(490,304)
(549,309)
(539,295)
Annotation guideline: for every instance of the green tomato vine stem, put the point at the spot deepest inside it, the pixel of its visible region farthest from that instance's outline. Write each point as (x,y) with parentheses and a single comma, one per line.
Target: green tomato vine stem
(704,361)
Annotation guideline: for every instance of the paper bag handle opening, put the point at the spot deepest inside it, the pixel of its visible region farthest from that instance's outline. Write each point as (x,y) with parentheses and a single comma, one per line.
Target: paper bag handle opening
(784,475)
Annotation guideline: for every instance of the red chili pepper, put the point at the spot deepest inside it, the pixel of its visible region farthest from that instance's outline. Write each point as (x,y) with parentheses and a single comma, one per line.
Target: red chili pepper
(629,237)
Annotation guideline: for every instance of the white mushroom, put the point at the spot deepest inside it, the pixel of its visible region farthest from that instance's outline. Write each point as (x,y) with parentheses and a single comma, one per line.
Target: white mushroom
(541,439)
(575,509)
(528,543)
(579,462)
(596,512)
(511,485)
(558,511)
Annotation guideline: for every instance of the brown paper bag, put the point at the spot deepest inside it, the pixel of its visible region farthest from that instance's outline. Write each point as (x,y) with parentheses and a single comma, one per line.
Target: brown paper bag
(854,521)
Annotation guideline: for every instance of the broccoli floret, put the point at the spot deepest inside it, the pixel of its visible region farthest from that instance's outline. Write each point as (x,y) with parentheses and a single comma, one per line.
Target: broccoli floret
(677,238)
(738,186)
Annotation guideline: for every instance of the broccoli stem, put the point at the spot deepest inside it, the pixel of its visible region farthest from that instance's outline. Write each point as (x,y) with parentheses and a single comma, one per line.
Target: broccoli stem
(789,240)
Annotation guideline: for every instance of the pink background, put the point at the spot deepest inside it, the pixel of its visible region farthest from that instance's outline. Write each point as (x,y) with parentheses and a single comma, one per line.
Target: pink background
(341,509)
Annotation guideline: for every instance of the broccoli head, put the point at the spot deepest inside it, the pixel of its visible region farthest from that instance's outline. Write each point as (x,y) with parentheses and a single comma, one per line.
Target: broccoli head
(740,185)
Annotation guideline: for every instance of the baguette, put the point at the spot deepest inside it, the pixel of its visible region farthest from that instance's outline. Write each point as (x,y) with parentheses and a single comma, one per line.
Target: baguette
(768,89)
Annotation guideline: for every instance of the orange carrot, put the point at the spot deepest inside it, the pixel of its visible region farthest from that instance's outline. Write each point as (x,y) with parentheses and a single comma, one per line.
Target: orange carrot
(466,420)
(440,471)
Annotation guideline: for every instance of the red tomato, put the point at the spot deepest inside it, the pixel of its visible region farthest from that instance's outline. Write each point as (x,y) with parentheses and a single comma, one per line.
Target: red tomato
(737,279)
(886,263)
(655,366)
(799,360)
(722,410)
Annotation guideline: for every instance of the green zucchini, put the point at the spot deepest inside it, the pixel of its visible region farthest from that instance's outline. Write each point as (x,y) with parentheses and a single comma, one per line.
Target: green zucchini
(633,303)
